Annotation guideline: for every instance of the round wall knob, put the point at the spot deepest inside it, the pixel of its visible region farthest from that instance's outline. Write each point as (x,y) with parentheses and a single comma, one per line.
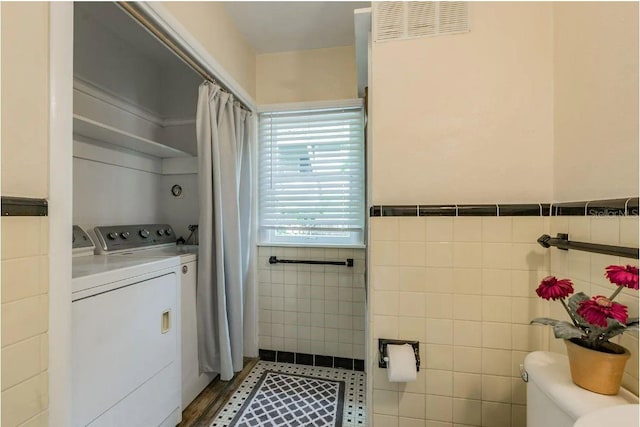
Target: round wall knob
(185,269)
(112,236)
(125,234)
(144,233)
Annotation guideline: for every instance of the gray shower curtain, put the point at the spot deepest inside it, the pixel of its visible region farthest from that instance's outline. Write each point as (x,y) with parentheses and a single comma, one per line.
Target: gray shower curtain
(225,296)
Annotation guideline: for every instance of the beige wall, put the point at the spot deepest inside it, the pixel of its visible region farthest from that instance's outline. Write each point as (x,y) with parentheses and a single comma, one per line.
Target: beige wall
(466,118)
(212,26)
(25,142)
(596,100)
(463,287)
(308,75)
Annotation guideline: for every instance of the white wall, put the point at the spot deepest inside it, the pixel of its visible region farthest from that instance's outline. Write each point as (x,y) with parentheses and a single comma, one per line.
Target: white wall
(120,188)
(108,61)
(596,100)
(466,118)
(179,212)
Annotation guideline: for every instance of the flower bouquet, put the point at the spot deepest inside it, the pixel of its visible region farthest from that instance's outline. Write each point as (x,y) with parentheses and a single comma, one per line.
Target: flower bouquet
(593,322)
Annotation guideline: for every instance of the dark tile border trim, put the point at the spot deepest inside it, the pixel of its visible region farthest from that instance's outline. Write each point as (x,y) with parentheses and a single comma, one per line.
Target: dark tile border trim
(22,206)
(312,360)
(611,207)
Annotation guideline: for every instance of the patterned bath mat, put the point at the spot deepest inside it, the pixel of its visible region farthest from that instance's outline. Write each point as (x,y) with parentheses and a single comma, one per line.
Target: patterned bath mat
(286,400)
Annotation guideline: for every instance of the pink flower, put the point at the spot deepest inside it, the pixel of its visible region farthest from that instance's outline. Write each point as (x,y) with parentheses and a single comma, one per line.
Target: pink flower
(552,288)
(598,309)
(623,276)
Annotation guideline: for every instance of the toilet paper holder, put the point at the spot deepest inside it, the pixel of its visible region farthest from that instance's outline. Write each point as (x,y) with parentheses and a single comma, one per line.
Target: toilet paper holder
(382,351)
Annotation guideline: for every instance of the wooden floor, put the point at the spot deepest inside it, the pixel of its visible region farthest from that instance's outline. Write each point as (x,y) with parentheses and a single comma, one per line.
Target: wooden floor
(202,411)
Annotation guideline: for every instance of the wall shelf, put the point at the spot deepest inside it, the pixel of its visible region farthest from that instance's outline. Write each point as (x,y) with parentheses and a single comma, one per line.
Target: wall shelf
(105,133)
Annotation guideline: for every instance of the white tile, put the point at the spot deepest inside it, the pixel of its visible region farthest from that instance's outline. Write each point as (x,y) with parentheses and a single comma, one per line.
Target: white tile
(467,359)
(496,389)
(496,282)
(496,309)
(439,382)
(411,279)
(384,253)
(467,333)
(411,405)
(467,254)
(496,229)
(467,229)
(496,335)
(385,402)
(439,229)
(467,281)
(411,254)
(439,331)
(496,255)
(439,408)
(411,229)
(438,306)
(438,357)
(439,255)
(527,229)
(411,304)
(467,386)
(384,228)
(412,328)
(467,307)
(496,414)
(496,362)
(439,280)
(605,230)
(466,411)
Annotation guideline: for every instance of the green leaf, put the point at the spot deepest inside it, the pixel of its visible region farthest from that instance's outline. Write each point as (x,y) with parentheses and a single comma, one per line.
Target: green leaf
(545,321)
(566,330)
(614,329)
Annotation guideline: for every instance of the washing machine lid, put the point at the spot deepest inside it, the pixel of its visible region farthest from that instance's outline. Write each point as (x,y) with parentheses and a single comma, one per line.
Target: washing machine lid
(187,253)
(550,372)
(93,272)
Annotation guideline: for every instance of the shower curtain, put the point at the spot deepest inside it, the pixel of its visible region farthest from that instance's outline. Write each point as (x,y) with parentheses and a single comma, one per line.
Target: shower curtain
(226,302)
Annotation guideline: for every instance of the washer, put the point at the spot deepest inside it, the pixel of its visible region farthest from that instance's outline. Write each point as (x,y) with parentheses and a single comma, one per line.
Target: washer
(161,243)
(126,354)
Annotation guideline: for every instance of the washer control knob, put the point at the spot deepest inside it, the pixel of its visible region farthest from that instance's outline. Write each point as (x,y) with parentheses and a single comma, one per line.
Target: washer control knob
(168,232)
(112,236)
(160,232)
(144,233)
(125,234)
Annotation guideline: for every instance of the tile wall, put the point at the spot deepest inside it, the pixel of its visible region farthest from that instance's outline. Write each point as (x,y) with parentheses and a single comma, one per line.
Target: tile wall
(587,272)
(464,287)
(312,309)
(25,319)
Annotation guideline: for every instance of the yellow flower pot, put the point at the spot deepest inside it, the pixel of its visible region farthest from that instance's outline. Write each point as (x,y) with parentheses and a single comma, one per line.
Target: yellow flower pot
(597,371)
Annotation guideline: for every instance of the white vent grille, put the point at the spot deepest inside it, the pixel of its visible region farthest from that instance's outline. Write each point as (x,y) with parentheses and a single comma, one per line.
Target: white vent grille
(396,20)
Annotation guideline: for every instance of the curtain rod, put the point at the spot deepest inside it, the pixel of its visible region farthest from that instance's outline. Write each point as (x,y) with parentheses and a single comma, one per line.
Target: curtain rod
(169,43)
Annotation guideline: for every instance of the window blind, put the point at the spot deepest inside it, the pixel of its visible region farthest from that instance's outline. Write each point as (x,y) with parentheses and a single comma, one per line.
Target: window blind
(312,176)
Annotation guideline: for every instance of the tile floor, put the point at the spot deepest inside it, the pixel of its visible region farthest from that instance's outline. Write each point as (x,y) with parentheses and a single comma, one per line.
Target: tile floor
(354,399)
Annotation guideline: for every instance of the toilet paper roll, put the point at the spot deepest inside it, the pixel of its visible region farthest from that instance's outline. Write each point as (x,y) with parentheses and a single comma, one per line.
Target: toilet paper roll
(401,366)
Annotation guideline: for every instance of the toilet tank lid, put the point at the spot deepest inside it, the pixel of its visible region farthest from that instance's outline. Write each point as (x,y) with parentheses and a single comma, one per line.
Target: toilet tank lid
(550,372)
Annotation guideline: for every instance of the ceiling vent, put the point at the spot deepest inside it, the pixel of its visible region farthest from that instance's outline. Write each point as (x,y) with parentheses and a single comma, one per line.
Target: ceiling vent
(398,20)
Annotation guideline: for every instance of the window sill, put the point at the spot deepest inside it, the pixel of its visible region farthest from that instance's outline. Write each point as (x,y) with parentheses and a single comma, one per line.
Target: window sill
(302,245)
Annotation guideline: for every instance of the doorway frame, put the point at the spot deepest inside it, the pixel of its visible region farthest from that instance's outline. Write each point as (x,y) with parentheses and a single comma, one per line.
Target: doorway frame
(61,181)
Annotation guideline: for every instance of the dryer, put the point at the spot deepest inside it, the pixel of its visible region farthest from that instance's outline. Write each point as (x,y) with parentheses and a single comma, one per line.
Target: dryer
(126,359)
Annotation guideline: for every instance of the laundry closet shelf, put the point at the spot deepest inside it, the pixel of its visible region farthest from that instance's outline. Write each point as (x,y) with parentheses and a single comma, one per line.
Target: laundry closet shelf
(105,133)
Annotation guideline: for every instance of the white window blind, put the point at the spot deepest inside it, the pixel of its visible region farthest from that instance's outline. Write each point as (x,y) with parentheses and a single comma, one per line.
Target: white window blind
(312,177)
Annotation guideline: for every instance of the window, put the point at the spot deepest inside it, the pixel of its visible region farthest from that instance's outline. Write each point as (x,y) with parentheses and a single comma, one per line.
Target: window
(312,177)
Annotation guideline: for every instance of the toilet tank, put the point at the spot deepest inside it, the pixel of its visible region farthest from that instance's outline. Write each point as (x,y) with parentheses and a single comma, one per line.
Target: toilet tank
(553,399)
